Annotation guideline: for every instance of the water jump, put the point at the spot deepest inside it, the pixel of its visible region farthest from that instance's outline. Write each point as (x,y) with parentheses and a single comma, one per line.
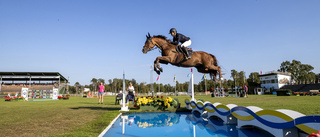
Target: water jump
(171,53)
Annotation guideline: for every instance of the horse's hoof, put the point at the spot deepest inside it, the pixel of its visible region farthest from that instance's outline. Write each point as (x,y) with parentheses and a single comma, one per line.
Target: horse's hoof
(161,69)
(221,79)
(158,72)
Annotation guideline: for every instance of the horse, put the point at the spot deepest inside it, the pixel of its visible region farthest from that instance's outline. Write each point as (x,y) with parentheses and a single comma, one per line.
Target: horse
(204,62)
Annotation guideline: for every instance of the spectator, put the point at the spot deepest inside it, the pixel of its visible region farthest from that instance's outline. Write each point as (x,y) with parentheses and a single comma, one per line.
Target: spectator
(131,93)
(101,92)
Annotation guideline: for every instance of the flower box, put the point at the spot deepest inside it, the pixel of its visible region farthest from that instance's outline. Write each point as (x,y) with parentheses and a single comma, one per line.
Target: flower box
(155,103)
(148,108)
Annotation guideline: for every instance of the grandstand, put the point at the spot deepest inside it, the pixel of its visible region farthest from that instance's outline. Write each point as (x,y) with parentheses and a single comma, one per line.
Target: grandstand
(302,87)
(12,82)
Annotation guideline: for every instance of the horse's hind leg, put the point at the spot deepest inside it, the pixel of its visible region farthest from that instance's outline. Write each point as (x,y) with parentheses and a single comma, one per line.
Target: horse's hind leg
(213,76)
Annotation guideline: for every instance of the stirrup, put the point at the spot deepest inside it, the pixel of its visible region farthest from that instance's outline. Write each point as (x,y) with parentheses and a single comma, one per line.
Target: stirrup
(185,57)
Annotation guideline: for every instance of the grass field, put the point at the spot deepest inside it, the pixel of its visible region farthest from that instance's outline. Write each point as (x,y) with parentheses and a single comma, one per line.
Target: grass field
(85,117)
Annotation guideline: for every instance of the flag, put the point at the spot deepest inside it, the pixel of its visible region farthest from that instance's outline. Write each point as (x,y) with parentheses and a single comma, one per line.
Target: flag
(203,77)
(174,78)
(260,72)
(158,77)
(189,73)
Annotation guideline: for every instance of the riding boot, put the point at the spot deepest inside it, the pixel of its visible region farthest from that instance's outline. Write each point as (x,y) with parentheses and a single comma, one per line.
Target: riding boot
(184,49)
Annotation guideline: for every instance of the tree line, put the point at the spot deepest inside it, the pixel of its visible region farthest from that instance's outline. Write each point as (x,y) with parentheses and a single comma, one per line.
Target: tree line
(301,73)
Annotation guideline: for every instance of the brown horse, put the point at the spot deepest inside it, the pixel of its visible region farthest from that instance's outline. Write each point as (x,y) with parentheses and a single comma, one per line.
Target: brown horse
(204,62)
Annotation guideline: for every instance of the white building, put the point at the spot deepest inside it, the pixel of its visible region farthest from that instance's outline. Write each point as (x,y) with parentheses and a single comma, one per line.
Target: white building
(275,79)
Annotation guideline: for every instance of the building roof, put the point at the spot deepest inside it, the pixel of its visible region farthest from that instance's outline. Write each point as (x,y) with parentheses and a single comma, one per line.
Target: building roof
(275,73)
(24,76)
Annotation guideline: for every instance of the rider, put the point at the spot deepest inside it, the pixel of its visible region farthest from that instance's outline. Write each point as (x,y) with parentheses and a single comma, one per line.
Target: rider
(186,41)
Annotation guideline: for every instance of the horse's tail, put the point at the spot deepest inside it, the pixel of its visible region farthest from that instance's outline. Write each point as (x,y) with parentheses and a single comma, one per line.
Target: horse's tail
(215,63)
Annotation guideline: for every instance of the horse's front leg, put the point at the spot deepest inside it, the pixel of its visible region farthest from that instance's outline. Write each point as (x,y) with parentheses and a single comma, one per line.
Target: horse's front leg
(163,60)
(155,66)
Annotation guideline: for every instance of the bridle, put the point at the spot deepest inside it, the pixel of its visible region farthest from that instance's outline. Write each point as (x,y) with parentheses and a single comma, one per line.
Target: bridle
(149,39)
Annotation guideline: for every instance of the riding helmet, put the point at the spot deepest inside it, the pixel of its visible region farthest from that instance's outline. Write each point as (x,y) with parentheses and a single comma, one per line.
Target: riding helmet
(172,30)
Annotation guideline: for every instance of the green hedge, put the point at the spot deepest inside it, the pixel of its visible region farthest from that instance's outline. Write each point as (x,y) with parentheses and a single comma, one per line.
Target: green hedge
(283,92)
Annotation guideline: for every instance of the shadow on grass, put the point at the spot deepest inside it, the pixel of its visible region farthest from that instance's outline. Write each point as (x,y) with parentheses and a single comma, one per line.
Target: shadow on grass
(97,108)
(101,108)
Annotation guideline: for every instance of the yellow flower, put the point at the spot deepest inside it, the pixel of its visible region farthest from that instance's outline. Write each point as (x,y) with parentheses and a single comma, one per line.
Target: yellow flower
(159,103)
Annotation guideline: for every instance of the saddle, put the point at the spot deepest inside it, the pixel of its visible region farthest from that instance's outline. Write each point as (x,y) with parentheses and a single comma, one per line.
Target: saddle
(180,58)
(179,50)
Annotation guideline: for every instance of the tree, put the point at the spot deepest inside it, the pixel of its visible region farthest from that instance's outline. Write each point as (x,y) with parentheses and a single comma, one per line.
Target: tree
(94,83)
(143,88)
(254,77)
(234,75)
(242,79)
(77,87)
(72,89)
(178,87)
(253,81)
(110,85)
(101,80)
(230,83)
(301,73)
(107,87)
(115,85)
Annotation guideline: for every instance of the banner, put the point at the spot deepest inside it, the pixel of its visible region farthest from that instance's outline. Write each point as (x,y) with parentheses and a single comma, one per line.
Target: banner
(55,93)
(24,93)
(190,87)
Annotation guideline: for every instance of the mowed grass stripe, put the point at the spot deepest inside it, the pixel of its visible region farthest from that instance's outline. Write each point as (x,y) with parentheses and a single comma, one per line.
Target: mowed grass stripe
(85,117)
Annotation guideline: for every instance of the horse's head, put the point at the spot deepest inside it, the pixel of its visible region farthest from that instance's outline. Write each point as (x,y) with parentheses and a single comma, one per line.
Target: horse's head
(148,45)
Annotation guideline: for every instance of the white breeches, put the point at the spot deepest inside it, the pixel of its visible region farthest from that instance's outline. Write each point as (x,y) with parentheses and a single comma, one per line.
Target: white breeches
(186,44)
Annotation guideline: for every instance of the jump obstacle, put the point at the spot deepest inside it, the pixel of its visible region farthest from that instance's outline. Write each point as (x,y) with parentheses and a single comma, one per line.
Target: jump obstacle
(25,93)
(280,123)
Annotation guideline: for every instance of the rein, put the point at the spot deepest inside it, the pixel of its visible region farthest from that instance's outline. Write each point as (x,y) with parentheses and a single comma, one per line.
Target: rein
(160,48)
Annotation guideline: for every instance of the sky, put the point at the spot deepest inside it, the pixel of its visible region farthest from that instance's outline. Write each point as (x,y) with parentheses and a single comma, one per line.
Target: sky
(85,39)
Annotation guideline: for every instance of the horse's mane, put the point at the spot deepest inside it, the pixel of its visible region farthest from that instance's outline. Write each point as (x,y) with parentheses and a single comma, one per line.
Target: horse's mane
(162,37)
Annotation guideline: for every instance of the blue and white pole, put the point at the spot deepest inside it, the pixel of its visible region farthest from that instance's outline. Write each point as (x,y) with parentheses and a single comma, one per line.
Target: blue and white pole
(192,86)
(124,107)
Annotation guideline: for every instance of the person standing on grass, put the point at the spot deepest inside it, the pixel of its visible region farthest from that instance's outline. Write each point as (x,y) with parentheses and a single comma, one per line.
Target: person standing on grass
(101,91)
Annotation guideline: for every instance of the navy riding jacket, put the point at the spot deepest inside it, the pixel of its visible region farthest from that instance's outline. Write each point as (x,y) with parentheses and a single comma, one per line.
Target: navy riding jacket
(179,38)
